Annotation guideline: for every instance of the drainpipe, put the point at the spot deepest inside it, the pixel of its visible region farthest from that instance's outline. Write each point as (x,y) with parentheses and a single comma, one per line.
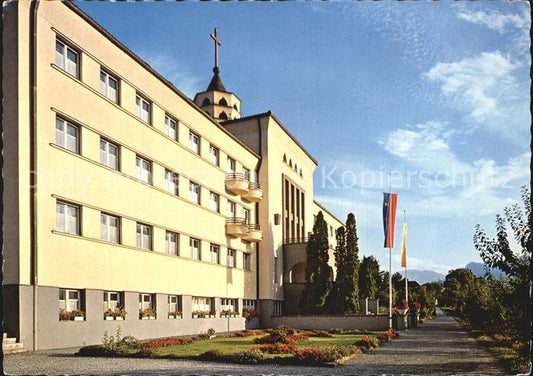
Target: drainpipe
(257,213)
(33,161)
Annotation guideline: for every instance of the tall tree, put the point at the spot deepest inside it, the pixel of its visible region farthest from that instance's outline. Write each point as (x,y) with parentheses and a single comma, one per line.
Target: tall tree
(317,275)
(348,280)
(369,277)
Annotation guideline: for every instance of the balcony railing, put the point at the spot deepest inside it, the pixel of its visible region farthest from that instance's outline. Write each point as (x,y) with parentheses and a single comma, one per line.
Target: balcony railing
(237,183)
(236,227)
(254,194)
(254,233)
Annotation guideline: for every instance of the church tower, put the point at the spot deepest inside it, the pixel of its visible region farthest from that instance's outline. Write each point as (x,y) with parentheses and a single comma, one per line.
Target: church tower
(216,100)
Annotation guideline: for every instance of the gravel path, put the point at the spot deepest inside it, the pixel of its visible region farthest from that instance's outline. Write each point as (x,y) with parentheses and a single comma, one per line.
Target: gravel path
(439,347)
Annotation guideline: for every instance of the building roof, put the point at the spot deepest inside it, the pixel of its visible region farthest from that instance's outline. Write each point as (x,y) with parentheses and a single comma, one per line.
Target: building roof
(327,211)
(147,66)
(270,114)
(216,82)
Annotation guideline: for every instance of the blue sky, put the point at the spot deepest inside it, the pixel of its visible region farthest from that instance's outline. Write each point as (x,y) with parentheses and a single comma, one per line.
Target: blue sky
(437,93)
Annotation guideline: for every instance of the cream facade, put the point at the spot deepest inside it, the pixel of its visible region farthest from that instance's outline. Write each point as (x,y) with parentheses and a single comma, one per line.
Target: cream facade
(120,190)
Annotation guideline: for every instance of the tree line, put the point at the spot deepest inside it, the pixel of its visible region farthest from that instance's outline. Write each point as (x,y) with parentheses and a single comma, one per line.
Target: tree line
(355,278)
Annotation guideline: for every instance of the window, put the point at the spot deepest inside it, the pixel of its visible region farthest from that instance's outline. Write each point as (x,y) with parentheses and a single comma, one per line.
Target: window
(109,86)
(276,270)
(67,135)
(174,304)
(67,59)
(142,108)
(250,304)
(215,254)
(171,182)
(144,236)
(108,154)
(110,229)
(171,243)
(194,142)
(231,258)
(231,209)
(228,305)
(214,202)
(247,261)
(69,300)
(112,300)
(146,301)
(194,245)
(214,155)
(246,173)
(231,165)
(201,304)
(144,170)
(194,191)
(278,308)
(246,215)
(171,128)
(67,218)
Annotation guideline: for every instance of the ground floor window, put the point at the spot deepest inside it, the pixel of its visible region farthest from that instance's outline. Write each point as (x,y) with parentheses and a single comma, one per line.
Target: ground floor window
(228,307)
(202,306)
(147,307)
(174,306)
(71,305)
(250,304)
(114,306)
(278,308)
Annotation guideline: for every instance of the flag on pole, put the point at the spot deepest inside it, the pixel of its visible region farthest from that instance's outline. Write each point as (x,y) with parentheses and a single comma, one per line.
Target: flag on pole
(389,217)
(404,240)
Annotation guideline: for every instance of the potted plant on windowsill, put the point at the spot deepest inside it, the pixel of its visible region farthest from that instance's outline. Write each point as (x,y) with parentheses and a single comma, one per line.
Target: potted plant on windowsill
(175,314)
(147,314)
(109,315)
(212,314)
(78,315)
(64,315)
(119,313)
(199,314)
(250,314)
(225,313)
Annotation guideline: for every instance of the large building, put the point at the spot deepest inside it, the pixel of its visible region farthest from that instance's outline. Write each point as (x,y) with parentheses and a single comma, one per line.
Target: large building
(120,191)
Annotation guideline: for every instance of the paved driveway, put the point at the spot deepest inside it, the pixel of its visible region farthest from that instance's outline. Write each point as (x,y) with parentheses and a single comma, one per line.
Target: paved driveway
(440,346)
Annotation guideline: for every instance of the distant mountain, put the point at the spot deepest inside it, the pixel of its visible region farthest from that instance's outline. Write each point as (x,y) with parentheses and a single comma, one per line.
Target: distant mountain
(478,269)
(424,276)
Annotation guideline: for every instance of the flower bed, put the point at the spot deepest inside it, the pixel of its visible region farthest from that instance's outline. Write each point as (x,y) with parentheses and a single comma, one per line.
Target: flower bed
(250,333)
(166,342)
(277,348)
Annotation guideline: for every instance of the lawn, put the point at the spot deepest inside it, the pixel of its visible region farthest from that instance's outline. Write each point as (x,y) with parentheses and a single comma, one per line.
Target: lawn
(236,345)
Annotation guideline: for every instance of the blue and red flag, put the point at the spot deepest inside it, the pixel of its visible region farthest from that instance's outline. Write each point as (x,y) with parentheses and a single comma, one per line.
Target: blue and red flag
(389,217)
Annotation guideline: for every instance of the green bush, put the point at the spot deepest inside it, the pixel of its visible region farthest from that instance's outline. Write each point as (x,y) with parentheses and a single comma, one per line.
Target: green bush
(249,357)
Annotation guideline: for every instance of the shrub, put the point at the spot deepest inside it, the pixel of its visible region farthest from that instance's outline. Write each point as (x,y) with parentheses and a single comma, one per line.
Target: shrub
(281,334)
(383,338)
(249,333)
(249,357)
(367,343)
(166,342)
(250,314)
(297,337)
(277,348)
(211,332)
(317,355)
(212,355)
(319,333)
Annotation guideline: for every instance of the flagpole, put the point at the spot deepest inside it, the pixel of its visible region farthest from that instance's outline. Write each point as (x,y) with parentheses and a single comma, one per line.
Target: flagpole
(390,264)
(406,282)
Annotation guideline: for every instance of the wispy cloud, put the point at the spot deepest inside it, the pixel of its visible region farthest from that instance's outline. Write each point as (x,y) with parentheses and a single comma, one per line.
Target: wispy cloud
(179,75)
(486,89)
(496,20)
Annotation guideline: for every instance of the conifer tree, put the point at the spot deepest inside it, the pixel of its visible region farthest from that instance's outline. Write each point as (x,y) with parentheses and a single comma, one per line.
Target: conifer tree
(349,282)
(317,275)
(369,278)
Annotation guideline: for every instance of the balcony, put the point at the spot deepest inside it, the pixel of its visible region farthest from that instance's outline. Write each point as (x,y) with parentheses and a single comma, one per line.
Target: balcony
(254,194)
(237,183)
(253,233)
(236,227)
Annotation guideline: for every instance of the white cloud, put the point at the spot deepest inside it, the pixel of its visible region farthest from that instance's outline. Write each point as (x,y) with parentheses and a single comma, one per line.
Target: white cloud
(169,68)
(496,20)
(486,89)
